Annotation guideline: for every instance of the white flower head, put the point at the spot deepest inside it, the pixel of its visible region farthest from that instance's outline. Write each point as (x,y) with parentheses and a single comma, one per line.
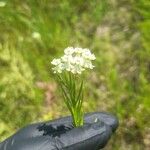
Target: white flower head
(74,60)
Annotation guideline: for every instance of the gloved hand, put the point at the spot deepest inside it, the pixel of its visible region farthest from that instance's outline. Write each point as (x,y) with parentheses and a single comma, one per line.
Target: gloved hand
(61,135)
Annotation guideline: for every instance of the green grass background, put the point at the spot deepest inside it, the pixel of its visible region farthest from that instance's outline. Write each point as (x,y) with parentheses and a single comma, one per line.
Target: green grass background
(33,32)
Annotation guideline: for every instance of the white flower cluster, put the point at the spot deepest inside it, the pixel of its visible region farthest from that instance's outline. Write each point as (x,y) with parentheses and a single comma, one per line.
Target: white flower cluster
(75,60)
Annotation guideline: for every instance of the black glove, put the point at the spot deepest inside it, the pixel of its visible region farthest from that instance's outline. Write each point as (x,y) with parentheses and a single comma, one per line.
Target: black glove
(61,135)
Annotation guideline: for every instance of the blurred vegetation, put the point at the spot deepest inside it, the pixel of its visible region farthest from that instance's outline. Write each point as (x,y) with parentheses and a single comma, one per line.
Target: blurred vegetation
(34,32)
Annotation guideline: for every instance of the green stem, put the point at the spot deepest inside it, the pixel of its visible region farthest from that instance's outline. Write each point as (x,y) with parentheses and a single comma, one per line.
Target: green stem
(73,97)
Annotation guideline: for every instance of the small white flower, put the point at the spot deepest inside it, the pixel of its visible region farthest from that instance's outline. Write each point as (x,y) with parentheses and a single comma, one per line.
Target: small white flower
(77,69)
(92,57)
(78,50)
(56,62)
(69,51)
(58,69)
(87,54)
(68,66)
(79,60)
(64,58)
(68,59)
(88,64)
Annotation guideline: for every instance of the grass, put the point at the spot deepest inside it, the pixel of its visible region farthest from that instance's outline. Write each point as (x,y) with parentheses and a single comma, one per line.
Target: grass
(34,32)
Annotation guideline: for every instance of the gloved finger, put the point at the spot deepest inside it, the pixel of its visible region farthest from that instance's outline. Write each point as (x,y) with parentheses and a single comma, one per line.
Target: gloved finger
(107,118)
(90,137)
(36,143)
(66,122)
(34,129)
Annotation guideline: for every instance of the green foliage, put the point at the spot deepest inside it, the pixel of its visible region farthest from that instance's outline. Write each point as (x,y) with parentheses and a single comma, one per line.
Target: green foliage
(72,91)
(18,98)
(33,32)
